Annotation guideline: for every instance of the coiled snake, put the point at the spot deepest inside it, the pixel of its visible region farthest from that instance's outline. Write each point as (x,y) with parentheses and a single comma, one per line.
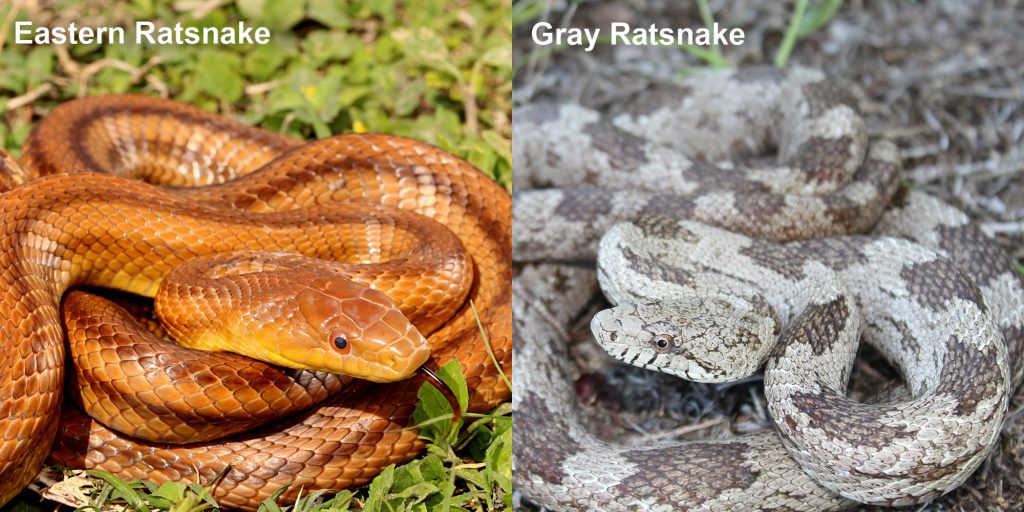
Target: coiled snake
(693,299)
(105,230)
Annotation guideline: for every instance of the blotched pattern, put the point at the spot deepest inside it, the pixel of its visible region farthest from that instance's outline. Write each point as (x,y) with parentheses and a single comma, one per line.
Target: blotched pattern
(693,154)
(885,453)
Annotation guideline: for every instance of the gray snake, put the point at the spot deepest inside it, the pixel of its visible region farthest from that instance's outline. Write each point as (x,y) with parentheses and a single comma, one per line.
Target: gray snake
(940,301)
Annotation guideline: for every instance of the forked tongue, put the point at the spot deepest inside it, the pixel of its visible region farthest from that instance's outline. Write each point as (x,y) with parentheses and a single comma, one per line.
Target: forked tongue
(440,385)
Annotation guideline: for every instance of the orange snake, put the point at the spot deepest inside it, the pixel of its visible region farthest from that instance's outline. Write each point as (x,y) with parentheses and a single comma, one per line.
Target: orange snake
(104,230)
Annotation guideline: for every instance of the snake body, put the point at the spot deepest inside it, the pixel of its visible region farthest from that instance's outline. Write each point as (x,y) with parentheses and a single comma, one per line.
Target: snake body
(89,228)
(589,172)
(101,385)
(186,398)
(948,312)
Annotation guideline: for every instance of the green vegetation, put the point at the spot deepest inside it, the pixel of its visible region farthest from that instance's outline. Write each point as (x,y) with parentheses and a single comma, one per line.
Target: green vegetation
(808,17)
(466,467)
(433,70)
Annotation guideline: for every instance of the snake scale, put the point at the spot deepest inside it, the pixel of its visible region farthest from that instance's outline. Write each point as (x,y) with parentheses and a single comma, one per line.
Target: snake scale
(665,193)
(61,230)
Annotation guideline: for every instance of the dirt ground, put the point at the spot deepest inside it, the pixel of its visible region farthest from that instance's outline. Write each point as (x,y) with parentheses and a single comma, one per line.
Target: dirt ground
(941,78)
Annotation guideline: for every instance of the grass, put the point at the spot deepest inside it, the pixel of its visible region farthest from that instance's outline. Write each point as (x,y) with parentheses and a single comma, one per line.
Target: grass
(808,17)
(434,70)
(467,466)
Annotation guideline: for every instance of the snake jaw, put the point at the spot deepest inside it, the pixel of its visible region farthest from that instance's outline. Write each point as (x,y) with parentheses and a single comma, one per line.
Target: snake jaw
(693,337)
(382,345)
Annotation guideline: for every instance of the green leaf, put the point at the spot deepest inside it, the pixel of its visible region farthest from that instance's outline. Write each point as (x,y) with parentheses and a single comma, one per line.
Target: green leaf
(39,65)
(818,15)
(501,145)
(324,96)
(409,98)
(433,414)
(451,374)
(428,468)
(121,489)
(483,158)
(379,488)
(341,502)
(20,132)
(424,46)
(111,80)
(499,461)
(348,96)
(264,60)
(499,57)
(270,504)
(172,492)
(330,13)
(143,8)
(278,15)
(217,74)
(416,493)
(448,121)
(324,46)
(526,10)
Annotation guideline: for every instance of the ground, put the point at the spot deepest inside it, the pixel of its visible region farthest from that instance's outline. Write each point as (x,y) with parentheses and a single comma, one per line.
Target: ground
(941,79)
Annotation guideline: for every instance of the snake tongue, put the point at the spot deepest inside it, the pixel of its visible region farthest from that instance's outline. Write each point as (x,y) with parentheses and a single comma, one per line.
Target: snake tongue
(443,387)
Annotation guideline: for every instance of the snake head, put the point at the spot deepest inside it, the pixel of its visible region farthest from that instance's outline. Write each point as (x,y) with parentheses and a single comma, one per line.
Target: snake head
(694,337)
(348,328)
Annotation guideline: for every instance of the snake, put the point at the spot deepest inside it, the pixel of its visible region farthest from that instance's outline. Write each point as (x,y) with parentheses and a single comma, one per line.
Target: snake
(83,212)
(242,311)
(713,273)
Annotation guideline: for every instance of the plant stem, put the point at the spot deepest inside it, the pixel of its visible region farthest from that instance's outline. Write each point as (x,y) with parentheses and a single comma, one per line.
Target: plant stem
(709,21)
(789,40)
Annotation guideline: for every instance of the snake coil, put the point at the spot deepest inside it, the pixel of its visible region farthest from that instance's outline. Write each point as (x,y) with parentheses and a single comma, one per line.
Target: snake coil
(941,301)
(100,229)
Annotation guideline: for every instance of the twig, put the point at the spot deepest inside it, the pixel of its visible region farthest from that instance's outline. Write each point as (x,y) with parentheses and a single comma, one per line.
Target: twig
(989,94)
(761,415)
(69,64)
(997,165)
(29,97)
(159,85)
(260,88)
(1003,228)
(95,67)
(685,429)
(469,104)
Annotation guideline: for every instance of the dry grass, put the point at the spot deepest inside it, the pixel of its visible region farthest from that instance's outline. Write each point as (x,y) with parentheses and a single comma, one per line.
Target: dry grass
(942,79)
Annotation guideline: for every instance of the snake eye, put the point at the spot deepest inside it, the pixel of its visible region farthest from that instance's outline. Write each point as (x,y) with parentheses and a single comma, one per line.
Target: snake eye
(662,342)
(340,341)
